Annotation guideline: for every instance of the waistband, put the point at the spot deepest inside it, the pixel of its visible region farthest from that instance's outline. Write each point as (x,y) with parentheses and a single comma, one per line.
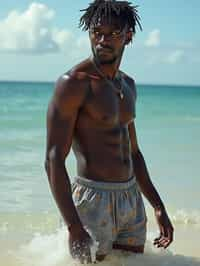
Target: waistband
(105,185)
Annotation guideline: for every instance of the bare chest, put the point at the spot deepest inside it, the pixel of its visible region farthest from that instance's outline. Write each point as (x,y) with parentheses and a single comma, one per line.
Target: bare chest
(105,105)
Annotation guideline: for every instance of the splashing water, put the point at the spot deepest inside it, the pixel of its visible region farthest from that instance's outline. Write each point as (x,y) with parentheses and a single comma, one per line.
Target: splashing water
(52,250)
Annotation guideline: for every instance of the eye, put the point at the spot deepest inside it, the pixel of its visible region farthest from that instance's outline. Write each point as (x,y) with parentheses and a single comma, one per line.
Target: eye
(116,33)
(95,32)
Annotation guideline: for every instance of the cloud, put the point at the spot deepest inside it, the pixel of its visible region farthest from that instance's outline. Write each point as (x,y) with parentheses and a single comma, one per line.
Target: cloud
(153,39)
(175,57)
(32,31)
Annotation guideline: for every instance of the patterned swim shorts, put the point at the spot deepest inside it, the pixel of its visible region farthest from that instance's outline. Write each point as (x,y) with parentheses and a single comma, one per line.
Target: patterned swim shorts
(112,212)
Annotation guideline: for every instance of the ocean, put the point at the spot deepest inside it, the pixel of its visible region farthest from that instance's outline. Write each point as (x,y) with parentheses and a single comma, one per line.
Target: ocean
(168,132)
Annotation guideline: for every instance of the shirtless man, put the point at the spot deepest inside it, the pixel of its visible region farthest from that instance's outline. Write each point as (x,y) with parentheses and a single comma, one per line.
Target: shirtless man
(93,111)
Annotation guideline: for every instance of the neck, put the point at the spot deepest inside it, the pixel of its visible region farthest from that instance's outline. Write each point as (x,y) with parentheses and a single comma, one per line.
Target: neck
(108,70)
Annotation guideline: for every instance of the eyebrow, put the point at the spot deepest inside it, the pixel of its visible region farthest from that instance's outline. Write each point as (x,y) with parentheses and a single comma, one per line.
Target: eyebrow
(101,28)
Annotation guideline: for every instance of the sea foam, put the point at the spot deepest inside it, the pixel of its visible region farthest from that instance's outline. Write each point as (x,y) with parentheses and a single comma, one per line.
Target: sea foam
(52,250)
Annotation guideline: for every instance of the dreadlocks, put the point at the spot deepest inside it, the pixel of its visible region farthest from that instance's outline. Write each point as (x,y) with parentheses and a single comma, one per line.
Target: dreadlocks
(107,9)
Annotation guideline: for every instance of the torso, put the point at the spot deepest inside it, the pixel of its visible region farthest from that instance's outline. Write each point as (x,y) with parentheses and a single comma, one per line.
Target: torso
(101,139)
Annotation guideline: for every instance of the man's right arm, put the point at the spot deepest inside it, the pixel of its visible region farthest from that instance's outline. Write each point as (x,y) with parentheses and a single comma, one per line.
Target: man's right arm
(70,93)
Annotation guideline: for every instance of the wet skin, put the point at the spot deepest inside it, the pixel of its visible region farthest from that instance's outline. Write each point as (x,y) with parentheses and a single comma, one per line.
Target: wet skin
(101,139)
(87,114)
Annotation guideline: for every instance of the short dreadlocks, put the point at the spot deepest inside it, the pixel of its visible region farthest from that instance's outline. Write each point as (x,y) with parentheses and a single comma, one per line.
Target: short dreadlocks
(107,9)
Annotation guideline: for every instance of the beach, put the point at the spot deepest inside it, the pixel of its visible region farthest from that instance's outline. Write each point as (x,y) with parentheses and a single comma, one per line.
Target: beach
(168,129)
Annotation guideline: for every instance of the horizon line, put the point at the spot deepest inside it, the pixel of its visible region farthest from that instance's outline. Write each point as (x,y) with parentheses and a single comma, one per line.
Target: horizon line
(137,83)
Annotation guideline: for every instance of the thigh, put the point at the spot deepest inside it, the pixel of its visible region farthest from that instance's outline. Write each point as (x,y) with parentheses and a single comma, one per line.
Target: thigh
(132,233)
(92,207)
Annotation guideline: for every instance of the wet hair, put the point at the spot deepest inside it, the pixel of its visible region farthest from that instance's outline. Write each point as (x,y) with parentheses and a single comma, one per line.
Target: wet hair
(109,9)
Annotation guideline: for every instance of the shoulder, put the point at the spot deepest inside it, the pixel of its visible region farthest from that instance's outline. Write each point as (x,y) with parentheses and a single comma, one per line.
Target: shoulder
(71,88)
(75,81)
(70,83)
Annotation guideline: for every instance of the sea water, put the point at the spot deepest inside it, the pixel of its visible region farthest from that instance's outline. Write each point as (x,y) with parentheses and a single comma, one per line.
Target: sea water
(168,131)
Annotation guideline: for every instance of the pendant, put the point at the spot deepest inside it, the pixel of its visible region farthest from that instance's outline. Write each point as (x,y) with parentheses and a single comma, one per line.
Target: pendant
(121,95)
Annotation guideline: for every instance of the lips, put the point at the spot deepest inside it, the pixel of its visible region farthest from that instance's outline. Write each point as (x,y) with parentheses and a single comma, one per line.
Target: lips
(104,50)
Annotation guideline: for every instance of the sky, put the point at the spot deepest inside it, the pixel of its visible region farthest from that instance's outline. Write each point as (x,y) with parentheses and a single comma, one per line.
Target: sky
(39,41)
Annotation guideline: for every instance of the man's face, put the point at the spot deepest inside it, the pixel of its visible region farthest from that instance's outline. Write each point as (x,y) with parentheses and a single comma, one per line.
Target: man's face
(108,41)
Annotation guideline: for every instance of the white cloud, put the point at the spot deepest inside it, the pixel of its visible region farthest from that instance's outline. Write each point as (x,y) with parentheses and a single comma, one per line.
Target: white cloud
(32,31)
(63,38)
(175,57)
(153,39)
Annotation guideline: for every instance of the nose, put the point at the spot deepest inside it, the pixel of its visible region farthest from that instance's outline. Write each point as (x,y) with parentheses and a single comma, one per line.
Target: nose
(105,38)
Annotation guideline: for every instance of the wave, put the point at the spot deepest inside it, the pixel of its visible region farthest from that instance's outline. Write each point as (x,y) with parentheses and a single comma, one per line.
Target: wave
(52,250)
(180,217)
(47,222)
(186,217)
(38,239)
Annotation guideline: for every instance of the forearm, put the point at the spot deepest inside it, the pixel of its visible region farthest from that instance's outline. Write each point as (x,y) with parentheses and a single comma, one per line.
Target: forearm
(144,181)
(61,190)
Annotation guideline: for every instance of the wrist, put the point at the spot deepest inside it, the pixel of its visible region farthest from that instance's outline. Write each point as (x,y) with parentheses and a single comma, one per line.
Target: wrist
(159,207)
(75,227)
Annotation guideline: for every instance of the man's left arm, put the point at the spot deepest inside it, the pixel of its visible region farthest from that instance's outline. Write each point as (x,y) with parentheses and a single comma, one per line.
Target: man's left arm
(150,192)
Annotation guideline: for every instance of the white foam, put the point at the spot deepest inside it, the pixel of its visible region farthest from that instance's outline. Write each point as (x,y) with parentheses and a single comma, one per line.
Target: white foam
(180,216)
(186,217)
(93,247)
(52,250)
(33,240)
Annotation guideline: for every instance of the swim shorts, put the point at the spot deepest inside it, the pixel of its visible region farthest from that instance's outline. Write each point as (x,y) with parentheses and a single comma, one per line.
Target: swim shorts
(113,212)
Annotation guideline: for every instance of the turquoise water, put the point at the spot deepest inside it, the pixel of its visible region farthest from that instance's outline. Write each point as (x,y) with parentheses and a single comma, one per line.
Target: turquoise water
(168,130)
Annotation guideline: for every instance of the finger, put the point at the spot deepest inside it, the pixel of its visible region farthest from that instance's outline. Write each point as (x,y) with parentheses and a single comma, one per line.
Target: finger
(74,250)
(161,242)
(165,236)
(83,255)
(156,242)
(169,238)
(78,251)
(158,238)
(86,253)
(85,259)
(164,242)
(167,244)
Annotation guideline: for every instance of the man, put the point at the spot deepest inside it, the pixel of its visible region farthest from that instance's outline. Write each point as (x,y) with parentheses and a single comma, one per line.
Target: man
(93,110)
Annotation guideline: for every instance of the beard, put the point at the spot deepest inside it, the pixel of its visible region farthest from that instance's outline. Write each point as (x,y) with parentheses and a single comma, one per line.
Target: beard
(104,60)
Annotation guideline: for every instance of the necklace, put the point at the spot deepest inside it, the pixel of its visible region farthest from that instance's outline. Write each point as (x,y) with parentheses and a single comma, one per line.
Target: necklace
(118,91)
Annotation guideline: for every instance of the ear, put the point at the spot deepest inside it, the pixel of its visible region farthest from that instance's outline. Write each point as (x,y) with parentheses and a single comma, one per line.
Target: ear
(129,37)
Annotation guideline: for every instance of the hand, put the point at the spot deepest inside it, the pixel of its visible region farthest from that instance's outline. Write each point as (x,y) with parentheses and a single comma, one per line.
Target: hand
(166,228)
(79,244)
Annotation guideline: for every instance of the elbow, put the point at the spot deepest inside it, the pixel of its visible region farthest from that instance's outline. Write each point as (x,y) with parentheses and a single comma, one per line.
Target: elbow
(46,166)
(52,160)
(53,157)
(54,154)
